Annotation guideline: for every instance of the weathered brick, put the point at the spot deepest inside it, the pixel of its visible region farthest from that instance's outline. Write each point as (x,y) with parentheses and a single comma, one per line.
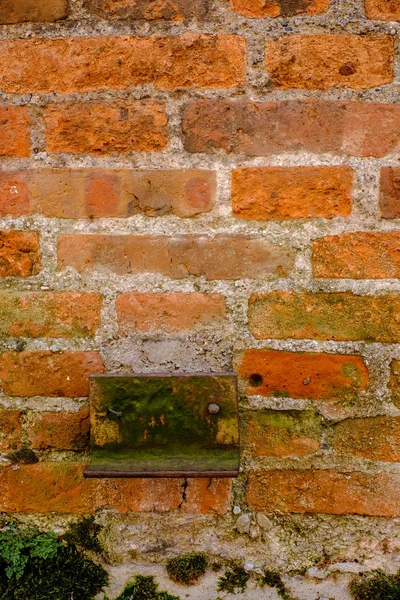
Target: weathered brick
(14,131)
(337,316)
(100,128)
(389,197)
(60,488)
(279,8)
(282,433)
(80,193)
(219,257)
(303,374)
(330,492)
(81,64)
(49,314)
(369,255)
(60,430)
(281,193)
(394,382)
(20,11)
(322,61)
(45,373)
(375,438)
(14,195)
(10,429)
(168,312)
(148,9)
(264,128)
(19,254)
(384,10)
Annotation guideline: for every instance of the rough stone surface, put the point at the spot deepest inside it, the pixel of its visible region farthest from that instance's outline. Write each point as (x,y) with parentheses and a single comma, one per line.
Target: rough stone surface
(19,11)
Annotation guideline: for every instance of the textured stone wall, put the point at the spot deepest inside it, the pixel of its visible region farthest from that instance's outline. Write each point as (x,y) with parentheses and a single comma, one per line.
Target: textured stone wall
(207,185)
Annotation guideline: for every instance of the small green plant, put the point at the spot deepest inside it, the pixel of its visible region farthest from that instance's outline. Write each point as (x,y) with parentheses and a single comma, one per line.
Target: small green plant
(144,588)
(187,569)
(84,535)
(274,580)
(20,546)
(234,581)
(376,586)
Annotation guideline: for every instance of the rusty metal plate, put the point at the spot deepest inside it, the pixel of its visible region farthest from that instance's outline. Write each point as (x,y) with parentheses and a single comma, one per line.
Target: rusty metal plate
(164,425)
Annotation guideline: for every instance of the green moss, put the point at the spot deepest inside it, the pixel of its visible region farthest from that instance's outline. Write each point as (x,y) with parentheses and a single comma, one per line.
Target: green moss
(40,566)
(274,580)
(84,535)
(234,581)
(144,588)
(24,456)
(377,586)
(187,568)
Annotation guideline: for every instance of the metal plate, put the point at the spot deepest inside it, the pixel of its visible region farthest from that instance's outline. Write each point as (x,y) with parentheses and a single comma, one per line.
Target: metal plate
(164,426)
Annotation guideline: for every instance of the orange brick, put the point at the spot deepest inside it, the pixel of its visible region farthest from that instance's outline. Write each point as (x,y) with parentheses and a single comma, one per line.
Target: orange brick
(282,433)
(99,128)
(375,438)
(303,374)
(80,193)
(148,9)
(323,61)
(64,431)
(219,257)
(281,193)
(168,312)
(265,128)
(389,198)
(279,8)
(384,10)
(370,255)
(14,131)
(60,488)
(338,316)
(44,373)
(49,314)
(330,492)
(10,429)
(14,196)
(82,64)
(394,382)
(19,254)
(19,11)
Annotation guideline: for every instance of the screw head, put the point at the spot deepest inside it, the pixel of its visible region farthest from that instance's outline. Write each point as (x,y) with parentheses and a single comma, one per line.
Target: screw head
(213,408)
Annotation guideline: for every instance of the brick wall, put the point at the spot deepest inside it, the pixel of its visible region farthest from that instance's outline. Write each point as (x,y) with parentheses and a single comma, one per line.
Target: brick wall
(207,185)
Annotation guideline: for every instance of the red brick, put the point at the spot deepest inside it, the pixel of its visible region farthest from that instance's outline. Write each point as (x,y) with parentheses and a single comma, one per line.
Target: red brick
(375,438)
(279,8)
(168,312)
(60,488)
(322,61)
(82,64)
(281,193)
(394,382)
(148,9)
(14,131)
(303,374)
(80,193)
(14,196)
(389,198)
(19,11)
(339,316)
(330,492)
(19,254)
(50,314)
(219,257)
(99,128)
(10,430)
(384,10)
(45,373)
(282,433)
(63,431)
(265,128)
(370,255)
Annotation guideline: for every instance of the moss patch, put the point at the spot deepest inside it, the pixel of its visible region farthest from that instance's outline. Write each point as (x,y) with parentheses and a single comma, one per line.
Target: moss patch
(234,581)
(274,580)
(26,456)
(144,588)
(187,569)
(377,586)
(84,535)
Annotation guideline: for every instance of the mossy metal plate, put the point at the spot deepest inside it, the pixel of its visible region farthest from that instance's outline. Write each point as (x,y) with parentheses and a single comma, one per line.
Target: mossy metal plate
(164,426)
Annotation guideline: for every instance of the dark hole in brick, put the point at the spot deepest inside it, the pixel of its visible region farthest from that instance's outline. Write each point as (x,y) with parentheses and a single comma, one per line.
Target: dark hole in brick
(255,380)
